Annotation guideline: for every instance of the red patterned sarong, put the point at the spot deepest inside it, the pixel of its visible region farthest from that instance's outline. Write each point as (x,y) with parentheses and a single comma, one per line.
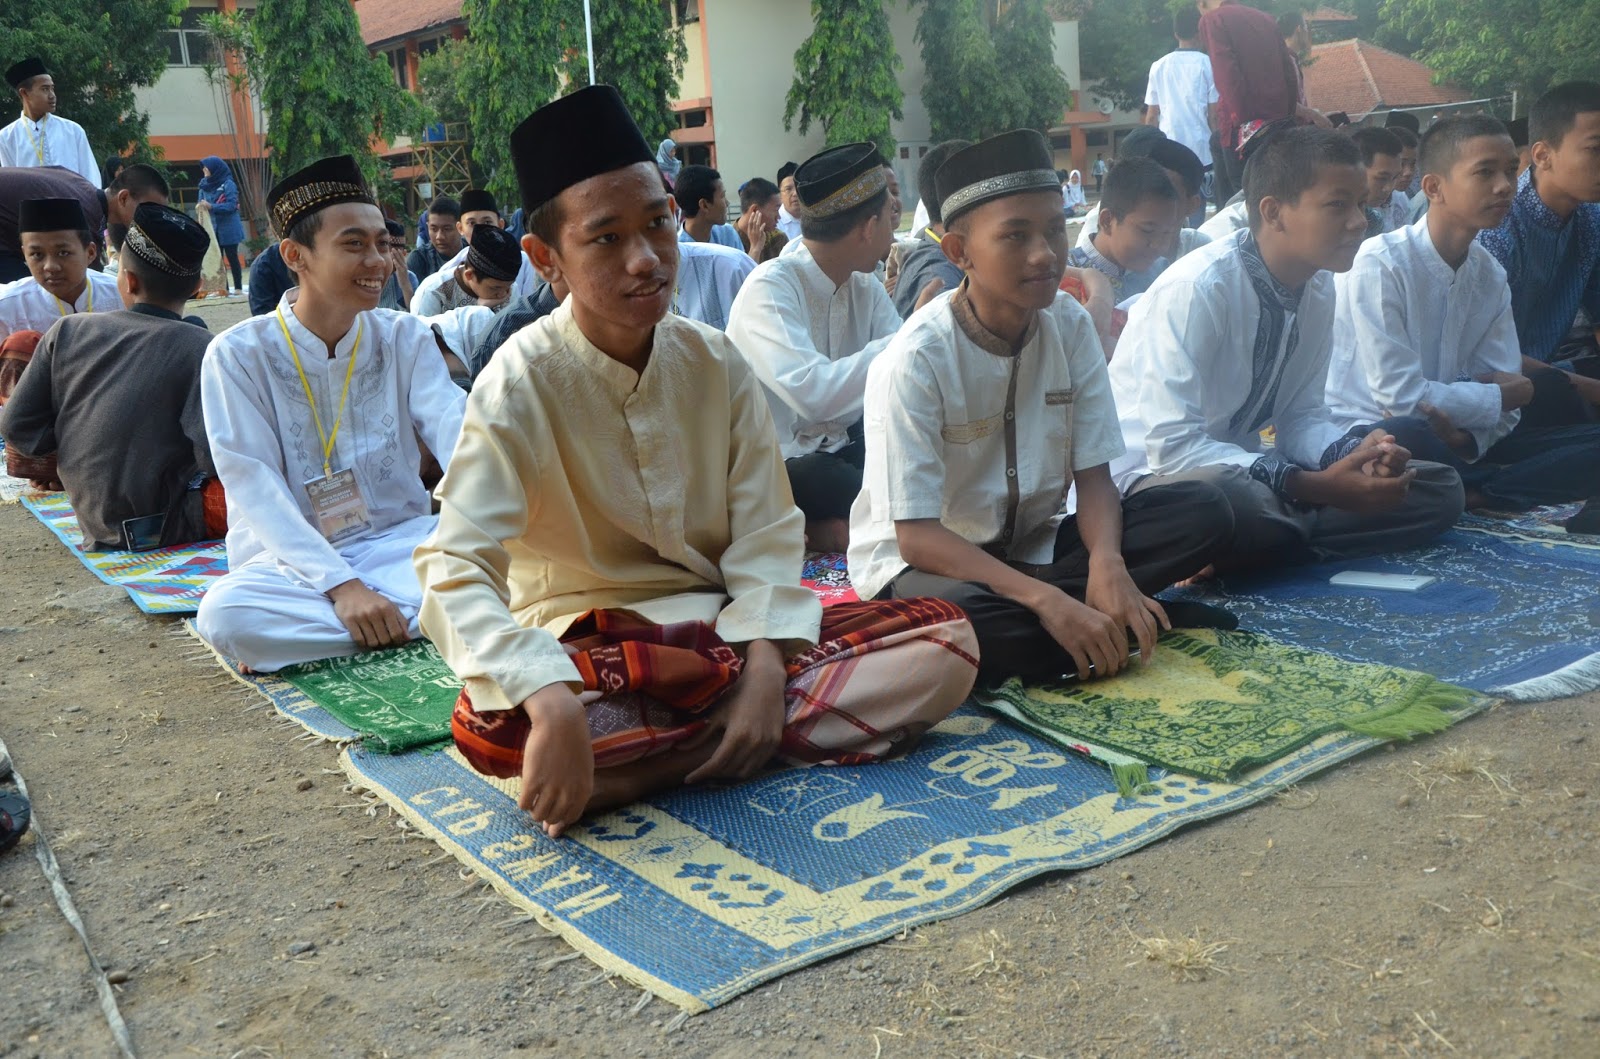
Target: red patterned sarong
(884,672)
(16,352)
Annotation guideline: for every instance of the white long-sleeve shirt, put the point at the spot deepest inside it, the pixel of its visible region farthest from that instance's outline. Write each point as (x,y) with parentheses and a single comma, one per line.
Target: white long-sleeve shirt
(811,343)
(1205,364)
(1410,329)
(26,306)
(49,141)
(265,445)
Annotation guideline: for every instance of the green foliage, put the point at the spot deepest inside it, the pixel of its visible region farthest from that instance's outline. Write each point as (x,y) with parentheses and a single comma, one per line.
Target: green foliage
(1117,42)
(336,103)
(1493,47)
(844,75)
(98,52)
(989,70)
(503,80)
(440,76)
(637,49)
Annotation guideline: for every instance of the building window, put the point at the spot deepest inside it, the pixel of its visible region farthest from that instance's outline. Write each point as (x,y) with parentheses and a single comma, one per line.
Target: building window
(397,62)
(427,47)
(191,43)
(682,12)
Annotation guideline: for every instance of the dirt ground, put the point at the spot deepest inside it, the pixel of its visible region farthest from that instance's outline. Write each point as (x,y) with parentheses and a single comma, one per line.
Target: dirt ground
(1438,899)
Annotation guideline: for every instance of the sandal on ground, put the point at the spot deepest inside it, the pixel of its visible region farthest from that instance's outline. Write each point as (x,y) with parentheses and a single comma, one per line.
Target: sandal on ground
(15,814)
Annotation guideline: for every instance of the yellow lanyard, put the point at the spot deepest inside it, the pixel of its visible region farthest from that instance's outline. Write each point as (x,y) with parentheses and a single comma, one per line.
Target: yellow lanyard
(935,236)
(36,137)
(311,399)
(61,306)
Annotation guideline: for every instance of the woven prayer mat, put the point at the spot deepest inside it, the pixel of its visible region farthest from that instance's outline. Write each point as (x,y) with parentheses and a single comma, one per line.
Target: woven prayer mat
(165,581)
(1510,618)
(705,893)
(1542,525)
(1213,704)
(14,489)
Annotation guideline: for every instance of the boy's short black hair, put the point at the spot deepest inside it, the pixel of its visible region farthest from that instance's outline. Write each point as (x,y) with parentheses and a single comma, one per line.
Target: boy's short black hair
(545,221)
(159,285)
(1441,144)
(834,228)
(695,183)
(1374,141)
(304,231)
(937,155)
(1186,22)
(141,179)
(756,191)
(1557,110)
(1130,182)
(1177,158)
(1289,165)
(445,206)
(1409,141)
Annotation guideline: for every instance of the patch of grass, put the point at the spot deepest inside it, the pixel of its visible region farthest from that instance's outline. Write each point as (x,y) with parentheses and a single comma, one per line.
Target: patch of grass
(1190,959)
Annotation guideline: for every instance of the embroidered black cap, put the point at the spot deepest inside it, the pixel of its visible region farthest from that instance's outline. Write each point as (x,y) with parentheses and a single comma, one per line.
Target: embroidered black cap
(1003,165)
(321,184)
(839,179)
(167,239)
(493,253)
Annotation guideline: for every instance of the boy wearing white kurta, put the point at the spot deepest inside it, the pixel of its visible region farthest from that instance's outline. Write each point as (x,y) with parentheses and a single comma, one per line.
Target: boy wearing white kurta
(1235,339)
(983,410)
(39,137)
(1425,342)
(313,413)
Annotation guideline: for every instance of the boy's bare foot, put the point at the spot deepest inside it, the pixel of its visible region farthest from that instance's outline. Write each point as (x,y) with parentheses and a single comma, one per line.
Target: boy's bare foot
(626,784)
(1476,500)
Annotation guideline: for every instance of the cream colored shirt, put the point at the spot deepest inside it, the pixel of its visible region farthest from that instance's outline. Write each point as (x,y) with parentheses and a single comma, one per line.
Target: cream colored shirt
(578,484)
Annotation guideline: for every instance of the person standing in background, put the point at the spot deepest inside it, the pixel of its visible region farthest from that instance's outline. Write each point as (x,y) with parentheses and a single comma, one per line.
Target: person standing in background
(38,137)
(219,196)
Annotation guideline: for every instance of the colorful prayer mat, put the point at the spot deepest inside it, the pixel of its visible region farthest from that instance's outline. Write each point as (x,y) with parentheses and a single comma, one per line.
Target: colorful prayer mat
(826,574)
(1510,618)
(705,893)
(394,700)
(1542,525)
(167,581)
(1213,703)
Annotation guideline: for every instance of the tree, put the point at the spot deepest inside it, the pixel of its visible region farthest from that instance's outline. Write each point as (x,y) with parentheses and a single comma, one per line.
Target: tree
(98,52)
(441,75)
(990,67)
(1117,42)
(638,50)
(511,73)
(334,103)
(844,75)
(1498,46)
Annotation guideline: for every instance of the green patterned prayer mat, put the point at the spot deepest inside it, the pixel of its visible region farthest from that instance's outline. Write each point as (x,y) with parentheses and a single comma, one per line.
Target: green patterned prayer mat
(1215,703)
(394,700)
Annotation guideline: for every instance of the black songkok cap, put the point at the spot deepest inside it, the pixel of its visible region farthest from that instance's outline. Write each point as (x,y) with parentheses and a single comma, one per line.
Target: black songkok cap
(787,170)
(571,139)
(316,187)
(1518,128)
(1401,119)
(51,215)
(839,179)
(493,253)
(1004,165)
(474,199)
(167,239)
(26,70)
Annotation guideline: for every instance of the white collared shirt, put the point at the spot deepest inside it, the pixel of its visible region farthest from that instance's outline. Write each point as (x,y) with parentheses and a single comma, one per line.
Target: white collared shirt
(961,430)
(811,343)
(1226,221)
(788,224)
(50,141)
(1410,329)
(1184,371)
(26,306)
(265,445)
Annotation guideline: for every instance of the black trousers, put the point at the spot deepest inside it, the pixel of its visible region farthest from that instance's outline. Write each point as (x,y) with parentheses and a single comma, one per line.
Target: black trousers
(1168,533)
(1227,171)
(825,484)
(231,255)
(1530,466)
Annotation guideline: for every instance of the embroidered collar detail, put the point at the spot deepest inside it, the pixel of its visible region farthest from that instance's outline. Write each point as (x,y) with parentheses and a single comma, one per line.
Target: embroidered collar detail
(982,337)
(1265,282)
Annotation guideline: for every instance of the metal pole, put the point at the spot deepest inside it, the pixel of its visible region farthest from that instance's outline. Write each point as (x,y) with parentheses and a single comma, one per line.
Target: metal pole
(588,34)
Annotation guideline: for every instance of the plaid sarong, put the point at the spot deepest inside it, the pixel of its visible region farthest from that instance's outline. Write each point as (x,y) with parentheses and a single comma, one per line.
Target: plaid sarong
(660,679)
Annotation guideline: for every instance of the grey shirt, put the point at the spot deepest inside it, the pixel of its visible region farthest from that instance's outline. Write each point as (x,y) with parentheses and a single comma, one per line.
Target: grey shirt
(920,264)
(116,396)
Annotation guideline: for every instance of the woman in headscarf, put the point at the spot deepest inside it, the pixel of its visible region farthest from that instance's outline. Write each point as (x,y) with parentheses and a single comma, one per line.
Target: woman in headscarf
(219,196)
(667,161)
(1072,194)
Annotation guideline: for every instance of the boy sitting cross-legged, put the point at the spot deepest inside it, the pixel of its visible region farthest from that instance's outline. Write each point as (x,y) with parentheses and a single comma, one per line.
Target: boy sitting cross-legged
(1425,334)
(981,412)
(1234,339)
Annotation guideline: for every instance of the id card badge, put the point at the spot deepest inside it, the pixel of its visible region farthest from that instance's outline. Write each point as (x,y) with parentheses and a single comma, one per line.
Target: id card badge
(340,508)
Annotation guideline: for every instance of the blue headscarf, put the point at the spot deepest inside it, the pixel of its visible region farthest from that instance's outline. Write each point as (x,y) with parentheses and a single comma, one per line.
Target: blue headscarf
(668,165)
(220,173)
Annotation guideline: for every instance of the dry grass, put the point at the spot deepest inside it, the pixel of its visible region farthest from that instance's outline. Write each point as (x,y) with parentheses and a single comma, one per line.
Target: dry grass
(1190,959)
(1461,764)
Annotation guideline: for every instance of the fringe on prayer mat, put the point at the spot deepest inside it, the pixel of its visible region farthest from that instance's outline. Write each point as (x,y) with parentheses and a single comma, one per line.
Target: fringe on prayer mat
(289,701)
(1504,616)
(165,581)
(702,894)
(1213,704)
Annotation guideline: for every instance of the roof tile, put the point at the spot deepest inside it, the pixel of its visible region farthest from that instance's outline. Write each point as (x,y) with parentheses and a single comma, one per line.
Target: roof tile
(1358,77)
